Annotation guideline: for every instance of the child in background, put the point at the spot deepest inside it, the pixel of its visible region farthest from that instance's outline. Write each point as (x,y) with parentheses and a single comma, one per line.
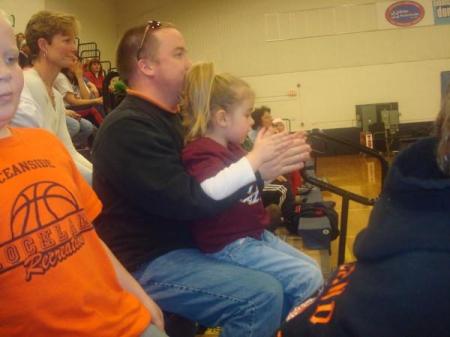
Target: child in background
(217,113)
(278,124)
(95,74)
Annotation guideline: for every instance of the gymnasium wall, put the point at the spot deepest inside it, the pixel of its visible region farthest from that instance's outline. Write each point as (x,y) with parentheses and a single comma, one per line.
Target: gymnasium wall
(279,44)
(307,69)
(22,10)
(97,18)
(98,22)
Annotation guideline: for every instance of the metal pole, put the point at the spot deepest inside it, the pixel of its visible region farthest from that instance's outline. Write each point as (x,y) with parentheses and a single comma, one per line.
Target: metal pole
(343,234)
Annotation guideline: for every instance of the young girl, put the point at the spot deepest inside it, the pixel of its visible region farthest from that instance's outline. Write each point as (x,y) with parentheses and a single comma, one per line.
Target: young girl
(217,111)
(95,74)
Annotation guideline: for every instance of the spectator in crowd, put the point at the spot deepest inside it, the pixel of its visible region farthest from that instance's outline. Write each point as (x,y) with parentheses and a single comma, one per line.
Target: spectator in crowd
(149,198)
(294,178)
(398,285)
(20,40)
(24,51)
(262,119)
(57,278)
(76,93)
(95,74)
(114,91)
(24,57)
(51,38)
(278,191)
(278,125)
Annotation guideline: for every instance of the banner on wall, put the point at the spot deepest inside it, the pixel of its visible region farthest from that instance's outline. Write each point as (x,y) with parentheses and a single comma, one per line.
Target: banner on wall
(398,14)
(441,12)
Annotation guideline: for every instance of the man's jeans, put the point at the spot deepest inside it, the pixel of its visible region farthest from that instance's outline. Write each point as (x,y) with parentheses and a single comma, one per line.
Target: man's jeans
(243,302)
(299,274)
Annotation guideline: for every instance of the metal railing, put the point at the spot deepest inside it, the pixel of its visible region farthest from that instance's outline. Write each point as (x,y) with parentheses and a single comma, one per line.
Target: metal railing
(86,46)
(90,54)
(346,195)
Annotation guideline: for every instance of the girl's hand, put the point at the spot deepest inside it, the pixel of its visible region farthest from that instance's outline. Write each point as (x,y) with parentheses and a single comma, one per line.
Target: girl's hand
(291,158)
(267,146)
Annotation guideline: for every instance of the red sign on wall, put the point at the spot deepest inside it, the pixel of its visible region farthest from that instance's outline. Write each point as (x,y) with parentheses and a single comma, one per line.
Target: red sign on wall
(405,13)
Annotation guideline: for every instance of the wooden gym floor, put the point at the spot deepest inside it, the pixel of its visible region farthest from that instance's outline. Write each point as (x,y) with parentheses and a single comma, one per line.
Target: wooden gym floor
(357,174)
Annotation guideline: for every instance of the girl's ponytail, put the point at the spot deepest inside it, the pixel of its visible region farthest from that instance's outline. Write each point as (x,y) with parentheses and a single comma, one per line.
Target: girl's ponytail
(196,107)
(205,92)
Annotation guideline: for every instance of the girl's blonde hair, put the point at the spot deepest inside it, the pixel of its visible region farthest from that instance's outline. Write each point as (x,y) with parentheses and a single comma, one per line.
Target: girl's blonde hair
(205,92)
(443,135)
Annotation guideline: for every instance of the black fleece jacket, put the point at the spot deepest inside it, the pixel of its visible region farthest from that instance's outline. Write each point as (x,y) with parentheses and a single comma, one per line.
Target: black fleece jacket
(400,284)
(148,198)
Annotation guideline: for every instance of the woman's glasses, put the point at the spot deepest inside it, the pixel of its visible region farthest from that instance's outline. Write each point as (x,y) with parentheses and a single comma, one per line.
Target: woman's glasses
(151,25)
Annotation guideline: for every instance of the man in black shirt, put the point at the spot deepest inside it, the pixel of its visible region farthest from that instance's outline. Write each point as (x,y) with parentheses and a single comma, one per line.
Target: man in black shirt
(149,198)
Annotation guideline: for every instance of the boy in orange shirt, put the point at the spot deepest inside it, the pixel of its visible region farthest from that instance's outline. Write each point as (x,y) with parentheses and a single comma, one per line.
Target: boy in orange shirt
(57,278)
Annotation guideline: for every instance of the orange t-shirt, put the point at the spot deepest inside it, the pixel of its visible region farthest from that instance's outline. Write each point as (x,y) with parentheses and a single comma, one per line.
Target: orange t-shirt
(55,276)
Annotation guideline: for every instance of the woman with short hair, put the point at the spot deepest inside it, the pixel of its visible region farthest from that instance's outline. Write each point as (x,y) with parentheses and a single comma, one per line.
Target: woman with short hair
(51,39)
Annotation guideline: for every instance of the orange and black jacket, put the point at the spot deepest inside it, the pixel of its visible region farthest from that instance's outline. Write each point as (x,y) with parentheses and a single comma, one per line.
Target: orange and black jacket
(400,284)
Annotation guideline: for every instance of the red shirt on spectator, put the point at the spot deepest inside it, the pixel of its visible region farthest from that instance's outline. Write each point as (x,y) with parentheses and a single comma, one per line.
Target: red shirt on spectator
(96,80)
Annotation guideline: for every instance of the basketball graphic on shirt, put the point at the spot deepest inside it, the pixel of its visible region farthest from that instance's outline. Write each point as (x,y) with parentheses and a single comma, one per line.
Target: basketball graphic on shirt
(39,205)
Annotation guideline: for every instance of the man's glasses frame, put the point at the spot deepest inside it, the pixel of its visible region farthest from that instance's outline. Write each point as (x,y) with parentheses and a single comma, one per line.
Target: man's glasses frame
(152,25)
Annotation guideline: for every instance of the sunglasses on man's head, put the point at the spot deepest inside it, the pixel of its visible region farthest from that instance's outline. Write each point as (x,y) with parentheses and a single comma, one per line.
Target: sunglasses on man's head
(151,25)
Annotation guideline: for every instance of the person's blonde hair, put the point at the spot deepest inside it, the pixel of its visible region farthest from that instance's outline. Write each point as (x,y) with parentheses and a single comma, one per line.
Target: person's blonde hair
(443,135)
(206,92)
(47,24)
